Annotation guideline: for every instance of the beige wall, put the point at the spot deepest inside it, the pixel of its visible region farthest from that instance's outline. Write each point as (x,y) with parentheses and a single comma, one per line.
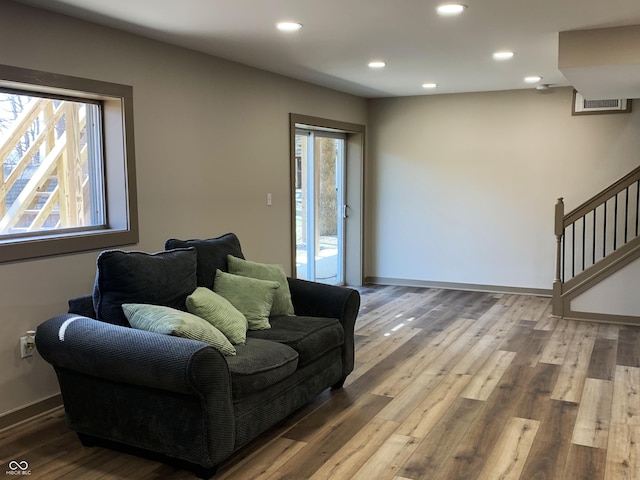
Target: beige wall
(211,141)
(461,188)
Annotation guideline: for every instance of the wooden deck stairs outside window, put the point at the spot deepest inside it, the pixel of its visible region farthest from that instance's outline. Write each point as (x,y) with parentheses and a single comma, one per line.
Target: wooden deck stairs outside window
(45,173)
(594,241)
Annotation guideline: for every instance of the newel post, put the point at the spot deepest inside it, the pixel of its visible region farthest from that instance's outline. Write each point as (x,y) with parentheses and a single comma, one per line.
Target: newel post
(556,305)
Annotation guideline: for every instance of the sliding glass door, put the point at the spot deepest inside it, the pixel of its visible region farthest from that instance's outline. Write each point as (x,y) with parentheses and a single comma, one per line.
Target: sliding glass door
(320,205)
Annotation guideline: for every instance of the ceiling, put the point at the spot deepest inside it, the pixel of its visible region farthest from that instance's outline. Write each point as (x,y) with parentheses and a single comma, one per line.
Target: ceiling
(340,37)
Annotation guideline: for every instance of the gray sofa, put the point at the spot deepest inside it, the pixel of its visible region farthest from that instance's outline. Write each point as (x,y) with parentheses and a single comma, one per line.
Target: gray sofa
(180,400)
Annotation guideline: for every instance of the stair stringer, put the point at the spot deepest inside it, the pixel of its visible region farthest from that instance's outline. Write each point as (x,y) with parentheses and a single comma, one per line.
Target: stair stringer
(590,277)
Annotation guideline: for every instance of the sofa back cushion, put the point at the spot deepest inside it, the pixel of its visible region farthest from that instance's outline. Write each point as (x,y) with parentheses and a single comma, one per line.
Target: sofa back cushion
(164,278)
(212,255)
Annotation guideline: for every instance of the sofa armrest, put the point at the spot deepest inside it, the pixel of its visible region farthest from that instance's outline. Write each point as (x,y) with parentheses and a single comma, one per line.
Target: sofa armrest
(315,299)
(140,389)
(320,300)
(123,354)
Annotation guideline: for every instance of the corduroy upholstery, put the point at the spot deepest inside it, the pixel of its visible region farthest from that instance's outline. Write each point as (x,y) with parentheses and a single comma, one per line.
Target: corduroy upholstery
(182,401)
(163,278)
(311,337)
(259,365)
(212,255)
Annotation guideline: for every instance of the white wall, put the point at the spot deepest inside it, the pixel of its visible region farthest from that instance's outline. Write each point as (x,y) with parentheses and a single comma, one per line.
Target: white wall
(461,188)
(211,141)
(615,295)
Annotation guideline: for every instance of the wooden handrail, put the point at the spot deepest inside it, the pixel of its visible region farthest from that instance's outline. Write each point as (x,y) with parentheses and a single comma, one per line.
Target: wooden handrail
(602,197)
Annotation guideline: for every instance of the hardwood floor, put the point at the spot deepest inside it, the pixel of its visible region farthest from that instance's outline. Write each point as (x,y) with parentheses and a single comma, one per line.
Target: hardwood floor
(447,385)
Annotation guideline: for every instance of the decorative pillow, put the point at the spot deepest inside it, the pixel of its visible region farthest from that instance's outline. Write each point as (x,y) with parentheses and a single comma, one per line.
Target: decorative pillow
(169,321)
(251,296)
(220,313)
(212,255)
(282,304)
(164,278)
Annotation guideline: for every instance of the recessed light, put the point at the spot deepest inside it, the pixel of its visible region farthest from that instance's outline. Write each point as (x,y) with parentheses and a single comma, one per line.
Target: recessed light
(429,85)
(503,55)
(451,8)
(532,79)
(289,26)
(377,64)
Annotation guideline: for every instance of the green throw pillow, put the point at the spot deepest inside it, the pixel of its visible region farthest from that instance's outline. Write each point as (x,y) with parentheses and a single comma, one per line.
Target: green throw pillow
(282,304)
(251,296)
(167,320)
(220,313)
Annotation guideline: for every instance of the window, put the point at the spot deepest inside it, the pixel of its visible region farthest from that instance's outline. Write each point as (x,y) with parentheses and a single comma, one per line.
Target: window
(52,160)
(68,176)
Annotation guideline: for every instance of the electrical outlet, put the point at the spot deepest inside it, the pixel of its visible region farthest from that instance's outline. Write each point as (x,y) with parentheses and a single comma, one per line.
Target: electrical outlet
(26,347)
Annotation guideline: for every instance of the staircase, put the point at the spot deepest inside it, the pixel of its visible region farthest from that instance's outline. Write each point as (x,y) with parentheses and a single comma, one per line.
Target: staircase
(595,241)
(43,160)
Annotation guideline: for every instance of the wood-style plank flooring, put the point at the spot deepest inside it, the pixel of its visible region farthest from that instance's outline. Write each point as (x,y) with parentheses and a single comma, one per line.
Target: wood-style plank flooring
(447,385)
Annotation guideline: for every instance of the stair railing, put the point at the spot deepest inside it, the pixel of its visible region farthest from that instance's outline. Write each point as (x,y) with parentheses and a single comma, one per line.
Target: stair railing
(592,235)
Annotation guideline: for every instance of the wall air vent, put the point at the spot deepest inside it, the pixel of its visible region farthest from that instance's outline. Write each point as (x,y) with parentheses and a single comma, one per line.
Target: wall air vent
(582,106)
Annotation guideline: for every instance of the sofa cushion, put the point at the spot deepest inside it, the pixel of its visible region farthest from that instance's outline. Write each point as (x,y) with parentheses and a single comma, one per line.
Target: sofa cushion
(251,296)
(311,337)
(169,321)
(260,364)
(212,255)
(282,304)
(219,312)
(164,278)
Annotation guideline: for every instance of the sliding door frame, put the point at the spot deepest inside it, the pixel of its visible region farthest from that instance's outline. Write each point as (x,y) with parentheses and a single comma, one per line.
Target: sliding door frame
(354,190)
